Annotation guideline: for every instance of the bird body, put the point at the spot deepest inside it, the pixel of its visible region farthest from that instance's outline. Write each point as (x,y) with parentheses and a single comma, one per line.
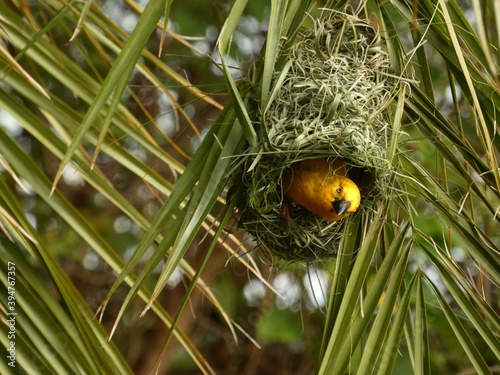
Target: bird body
(322,186)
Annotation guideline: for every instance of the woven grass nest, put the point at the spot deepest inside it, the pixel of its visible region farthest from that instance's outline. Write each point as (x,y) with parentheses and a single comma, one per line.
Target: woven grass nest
(333,98)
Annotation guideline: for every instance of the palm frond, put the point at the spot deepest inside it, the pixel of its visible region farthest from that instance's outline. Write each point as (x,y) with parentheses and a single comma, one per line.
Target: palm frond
(418,266)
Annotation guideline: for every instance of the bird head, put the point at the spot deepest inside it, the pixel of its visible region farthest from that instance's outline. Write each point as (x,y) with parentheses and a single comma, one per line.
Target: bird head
(344,198)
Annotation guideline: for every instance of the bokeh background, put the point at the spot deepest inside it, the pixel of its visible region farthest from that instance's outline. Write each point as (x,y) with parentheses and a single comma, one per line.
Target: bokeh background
(69,247)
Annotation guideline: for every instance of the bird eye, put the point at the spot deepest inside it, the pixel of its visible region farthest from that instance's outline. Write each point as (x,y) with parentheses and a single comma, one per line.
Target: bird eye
(339,190)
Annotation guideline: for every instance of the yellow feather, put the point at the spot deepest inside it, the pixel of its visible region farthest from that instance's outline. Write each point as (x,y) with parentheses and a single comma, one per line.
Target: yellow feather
(322,186)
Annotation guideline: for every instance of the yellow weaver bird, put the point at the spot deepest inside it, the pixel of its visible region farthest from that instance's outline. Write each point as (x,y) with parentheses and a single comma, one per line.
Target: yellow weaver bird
(321,186)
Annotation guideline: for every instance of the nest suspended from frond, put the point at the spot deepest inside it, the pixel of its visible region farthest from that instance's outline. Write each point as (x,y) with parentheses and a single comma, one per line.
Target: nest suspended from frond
(333,98)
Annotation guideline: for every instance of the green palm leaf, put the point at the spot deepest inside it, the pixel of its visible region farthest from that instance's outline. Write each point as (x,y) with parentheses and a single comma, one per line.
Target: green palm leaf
(73,83)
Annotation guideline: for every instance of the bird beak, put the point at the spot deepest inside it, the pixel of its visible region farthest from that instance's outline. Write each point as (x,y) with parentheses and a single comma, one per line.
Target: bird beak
(340,206)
